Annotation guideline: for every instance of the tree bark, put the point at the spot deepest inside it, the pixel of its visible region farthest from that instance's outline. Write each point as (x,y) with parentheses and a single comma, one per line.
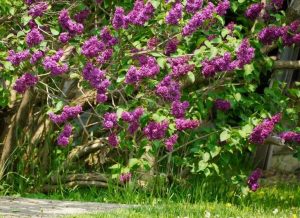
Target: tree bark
(281,65)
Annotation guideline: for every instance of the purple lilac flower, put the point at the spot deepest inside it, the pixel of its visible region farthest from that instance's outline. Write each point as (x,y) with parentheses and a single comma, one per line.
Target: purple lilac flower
(67,113)
(105,56)
(36,56)
(222,105)
(17,58)
(32,24)
(211,37)
(170,142)
(38,9)
(198,19)
(119,20)
(107,38)
(270,34)
(68,24)
(113,140)
(179,108)
(30,2)
(51,63)
(263,130)
(222,7)
(252,181)
(125,177)
(152,43)
(277,3)
(64,37)
(34,37)
(110,120)
(156,131)
(169,89)
(26,81)
(92,47)
(254,10)
(180,66)
(133,119)
(290,136)
(81,16)
(64,136)
(192,6)
(171,46)
(230,27)
(140,13)
(132,75)
(290,33)
(245,53)
(183,124)
(218,64)
(175,14)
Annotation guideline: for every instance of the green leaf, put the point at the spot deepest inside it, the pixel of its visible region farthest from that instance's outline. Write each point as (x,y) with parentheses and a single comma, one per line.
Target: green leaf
(191,77)
(202,165)
(238,96)
(215,151)
(206,157)
(224,136)
(161,62)
(132,162)
(54,31)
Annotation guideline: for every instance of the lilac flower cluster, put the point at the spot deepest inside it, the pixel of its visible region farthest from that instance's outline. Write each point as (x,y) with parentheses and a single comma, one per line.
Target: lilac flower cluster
(125,177)
(290,136)
(252,181)
(169,89)
(152,43)
(113,140)
(222,105)
(17,58)
(170,142)
(222,7)
(64,37)
(192,6)
(175,14)
(26,81)
(245,53)
(183,124)
(148,69)
(171,46)
(30,2)
(64,136)
(230,27)
(180,66)
(97,79)
(105,56)
(289,34)
(277,4)
(179,108)
(81,16)
(37,10)
(36,56)
(32,24)
(34,37)
(110,120)
(107,38)
(92,47)
(67,113)
(51,63)
(133,119)
(263,130)
(254,10)
(156,131)
(139,15)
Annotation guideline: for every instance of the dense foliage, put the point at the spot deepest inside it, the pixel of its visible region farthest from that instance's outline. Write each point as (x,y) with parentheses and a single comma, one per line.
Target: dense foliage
(172,89)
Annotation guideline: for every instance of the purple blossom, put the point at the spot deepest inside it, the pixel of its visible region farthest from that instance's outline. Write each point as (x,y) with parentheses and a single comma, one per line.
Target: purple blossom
(26,81)
(183,124)
(81,16)
(132,75)
(152,43)
(252,181)
(230,27)
(140,13)
(169,89)
(222,105)
(64,37)
(68,24)
(175,14)
(170,142)
(278,4)
(107,38)
(254,10)
(38,9)
(51,63)
(198,19)
(64,136)
(113,140)
(290,136)
(192,6)
(32,24)
(125,177)
(36,56)
(17,58)
(119,20)
(222,7)
(245,53)
(110,120)
(171,46)
(133,119)
(180,66)
(105,56)
(263,130)
(34,37)
(211,37)
(67,113)
(179,108)
(92,47)
(156,131)
(270,34)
